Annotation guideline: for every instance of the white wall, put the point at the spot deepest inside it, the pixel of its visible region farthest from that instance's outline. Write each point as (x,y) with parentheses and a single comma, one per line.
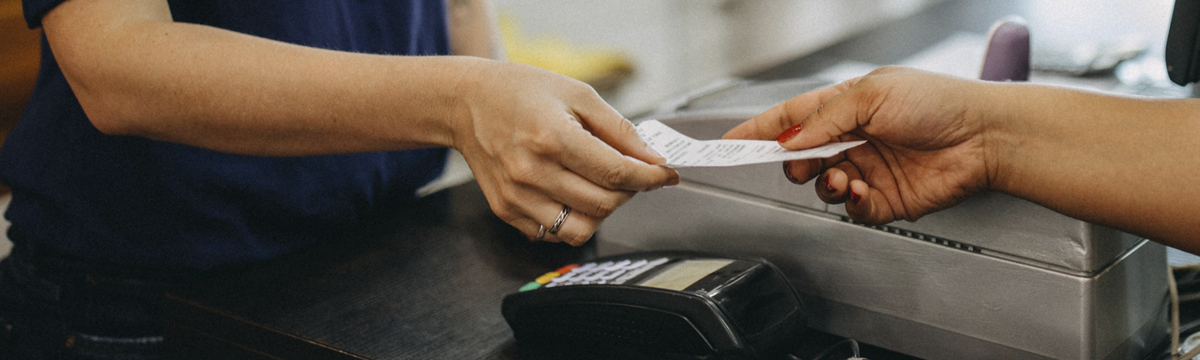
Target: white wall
(673,43)
(679,45)
(767,32)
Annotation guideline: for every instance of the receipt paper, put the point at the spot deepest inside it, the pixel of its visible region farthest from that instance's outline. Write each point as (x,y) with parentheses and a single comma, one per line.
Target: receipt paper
(683,151)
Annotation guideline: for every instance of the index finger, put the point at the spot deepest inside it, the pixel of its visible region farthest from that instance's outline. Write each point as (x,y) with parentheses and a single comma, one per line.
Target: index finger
(606,124)
(597,161)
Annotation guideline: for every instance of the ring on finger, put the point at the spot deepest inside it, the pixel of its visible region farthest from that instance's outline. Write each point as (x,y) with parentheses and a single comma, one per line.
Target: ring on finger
(562,217)
(541,234)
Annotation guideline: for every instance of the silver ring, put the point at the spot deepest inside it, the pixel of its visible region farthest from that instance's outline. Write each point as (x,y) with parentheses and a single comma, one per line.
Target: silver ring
(562,216)
(541,233)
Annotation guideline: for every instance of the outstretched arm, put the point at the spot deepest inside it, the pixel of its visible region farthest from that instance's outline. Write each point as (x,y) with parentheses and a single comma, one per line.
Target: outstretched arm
(935,140)
(136,72)
(1128,163)
(536,140)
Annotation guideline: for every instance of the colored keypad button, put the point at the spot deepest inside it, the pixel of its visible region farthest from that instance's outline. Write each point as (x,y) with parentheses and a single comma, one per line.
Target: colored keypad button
(566,269)
(545,278)
(530,286)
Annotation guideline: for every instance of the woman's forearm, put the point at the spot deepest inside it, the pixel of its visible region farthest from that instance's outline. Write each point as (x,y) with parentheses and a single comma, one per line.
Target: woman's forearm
(212,88)
(1129,163)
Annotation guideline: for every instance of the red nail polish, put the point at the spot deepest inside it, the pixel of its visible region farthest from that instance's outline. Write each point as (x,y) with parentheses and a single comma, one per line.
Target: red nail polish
(788,174)
(789,133)
(828,186)
(855,197)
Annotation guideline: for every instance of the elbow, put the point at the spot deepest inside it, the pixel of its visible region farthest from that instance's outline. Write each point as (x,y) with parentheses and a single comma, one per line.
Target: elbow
(100,100)
(109,127)
(100,87)
(110,108)
(111,114)
(110,102)
(105,115)
(95,44)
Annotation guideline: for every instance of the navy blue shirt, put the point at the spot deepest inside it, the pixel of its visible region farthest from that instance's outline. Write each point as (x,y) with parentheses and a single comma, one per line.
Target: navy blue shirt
(135,201)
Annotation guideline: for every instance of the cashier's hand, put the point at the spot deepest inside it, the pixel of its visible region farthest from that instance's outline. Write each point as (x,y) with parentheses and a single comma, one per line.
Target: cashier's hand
(536,141)
(926,149)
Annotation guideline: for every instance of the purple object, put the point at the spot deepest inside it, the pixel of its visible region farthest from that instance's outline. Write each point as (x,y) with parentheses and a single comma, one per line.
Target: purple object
(1007,54)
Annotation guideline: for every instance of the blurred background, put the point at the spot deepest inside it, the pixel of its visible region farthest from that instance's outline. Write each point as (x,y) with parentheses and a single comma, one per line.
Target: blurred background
(671,46)
(639,53)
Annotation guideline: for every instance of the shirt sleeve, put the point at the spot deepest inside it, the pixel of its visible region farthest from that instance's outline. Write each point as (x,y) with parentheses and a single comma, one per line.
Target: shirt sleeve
(36,9)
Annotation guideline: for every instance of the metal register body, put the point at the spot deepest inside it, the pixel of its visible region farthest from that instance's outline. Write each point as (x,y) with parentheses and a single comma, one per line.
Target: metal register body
(995,277)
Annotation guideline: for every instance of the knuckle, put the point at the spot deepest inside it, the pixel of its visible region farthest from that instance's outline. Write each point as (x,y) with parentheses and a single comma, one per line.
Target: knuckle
(521,171)
(614,176)
(625,129)
(504,212)
(581,230)
(603,209)
(870,81)
(523,176)
(785,122)
(578,238)
(582,89)
(506,193)
(504,208)
(887,69)
(543,141)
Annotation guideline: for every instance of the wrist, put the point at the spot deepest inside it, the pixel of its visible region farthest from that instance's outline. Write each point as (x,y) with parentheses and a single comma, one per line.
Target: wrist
(470,75)
(1030,128)
(995,109)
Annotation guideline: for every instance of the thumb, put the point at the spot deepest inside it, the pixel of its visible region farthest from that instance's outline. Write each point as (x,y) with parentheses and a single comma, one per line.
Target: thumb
(838,114)
(767,125)
(780,122)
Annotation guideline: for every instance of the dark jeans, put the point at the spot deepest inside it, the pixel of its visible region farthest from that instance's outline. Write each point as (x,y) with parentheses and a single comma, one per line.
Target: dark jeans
(59,307)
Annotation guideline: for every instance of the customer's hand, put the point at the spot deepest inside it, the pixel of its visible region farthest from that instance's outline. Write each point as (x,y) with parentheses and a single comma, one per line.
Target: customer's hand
(536,141)
(926,147)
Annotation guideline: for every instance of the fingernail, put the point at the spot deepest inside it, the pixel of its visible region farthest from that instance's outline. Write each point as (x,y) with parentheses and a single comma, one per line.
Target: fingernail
(855,197)
(656,153)
(789,133)
(673,182)
(828,186)
(788,174)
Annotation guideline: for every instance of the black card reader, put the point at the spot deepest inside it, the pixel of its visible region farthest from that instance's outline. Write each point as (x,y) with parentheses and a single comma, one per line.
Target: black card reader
(660,302)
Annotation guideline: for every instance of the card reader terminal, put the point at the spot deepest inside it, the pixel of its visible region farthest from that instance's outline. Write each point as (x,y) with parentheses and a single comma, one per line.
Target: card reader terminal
(660,302)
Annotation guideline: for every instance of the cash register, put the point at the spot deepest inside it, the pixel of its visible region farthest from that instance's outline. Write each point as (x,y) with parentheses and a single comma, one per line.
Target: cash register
(995,277)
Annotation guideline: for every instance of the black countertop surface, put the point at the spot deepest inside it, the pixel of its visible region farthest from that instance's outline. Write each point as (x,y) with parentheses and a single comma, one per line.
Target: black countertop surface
(425,285)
